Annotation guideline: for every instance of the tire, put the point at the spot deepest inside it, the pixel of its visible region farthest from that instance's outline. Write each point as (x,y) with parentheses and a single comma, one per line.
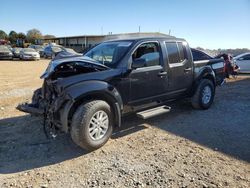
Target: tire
(81,126)
(204,95)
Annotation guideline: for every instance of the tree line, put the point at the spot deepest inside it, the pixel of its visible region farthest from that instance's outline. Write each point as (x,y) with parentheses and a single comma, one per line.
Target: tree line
(30,36)
(234,52)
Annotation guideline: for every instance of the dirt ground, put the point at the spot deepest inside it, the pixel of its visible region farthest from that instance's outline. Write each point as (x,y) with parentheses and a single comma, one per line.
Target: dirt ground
(184,148)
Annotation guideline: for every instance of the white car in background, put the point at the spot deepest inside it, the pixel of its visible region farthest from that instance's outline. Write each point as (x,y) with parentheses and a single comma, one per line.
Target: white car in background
(243,61)
(29,54)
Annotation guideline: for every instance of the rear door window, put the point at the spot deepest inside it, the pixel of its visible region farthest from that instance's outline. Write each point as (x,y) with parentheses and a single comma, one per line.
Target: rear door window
(182,51)
(173,52)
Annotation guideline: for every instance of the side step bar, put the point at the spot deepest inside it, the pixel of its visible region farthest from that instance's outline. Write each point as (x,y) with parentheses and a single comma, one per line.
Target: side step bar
(153,112)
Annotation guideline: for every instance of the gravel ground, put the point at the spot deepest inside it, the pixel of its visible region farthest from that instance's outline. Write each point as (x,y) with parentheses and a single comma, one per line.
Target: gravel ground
(184,148)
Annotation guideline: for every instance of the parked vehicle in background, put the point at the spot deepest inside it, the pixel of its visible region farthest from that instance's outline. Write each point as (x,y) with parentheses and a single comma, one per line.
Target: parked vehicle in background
(38,48)
(230,66)
(29,54)
(87,95)
(243,61)
(51,51)
(67,52)
(9,46)
(16,52)
(5,52)
(3,42)
(70,50)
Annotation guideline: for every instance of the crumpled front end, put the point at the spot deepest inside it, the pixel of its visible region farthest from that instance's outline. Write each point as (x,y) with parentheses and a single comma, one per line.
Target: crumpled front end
(46,102)
(49,100)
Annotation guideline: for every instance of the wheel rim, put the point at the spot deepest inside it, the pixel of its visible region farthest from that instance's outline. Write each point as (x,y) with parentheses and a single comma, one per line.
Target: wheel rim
(98,125)
(206,95)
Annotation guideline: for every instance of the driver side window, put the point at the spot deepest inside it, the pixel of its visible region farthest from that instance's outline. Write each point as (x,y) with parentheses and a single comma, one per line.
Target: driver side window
(149,53)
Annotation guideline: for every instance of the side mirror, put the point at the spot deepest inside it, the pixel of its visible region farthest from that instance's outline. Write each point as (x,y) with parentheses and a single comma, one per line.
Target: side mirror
(139,63)
(240,59)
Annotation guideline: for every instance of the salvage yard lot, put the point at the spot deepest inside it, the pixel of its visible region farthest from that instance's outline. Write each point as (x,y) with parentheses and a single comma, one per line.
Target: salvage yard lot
(184,148)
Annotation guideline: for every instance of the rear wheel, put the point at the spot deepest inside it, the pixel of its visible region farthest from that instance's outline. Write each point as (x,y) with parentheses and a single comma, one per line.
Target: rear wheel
(204,95)
(92,124)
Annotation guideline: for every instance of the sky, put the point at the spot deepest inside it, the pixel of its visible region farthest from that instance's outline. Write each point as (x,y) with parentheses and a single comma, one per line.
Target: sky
(209,24)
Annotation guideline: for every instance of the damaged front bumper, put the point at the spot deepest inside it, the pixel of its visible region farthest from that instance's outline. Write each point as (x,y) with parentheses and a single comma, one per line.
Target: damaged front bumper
(30,108)
(53,108)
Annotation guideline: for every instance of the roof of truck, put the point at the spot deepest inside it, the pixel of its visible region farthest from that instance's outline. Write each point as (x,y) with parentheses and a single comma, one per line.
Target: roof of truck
(148,37)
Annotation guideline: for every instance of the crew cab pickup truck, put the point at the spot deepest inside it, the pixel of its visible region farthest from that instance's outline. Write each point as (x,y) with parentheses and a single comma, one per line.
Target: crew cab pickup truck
(88,95)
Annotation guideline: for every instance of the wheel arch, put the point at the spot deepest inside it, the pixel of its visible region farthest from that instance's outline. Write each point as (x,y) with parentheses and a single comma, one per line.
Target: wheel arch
(205,73)
(106,93)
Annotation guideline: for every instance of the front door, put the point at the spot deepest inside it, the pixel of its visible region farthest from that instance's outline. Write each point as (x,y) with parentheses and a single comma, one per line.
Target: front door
(150,80)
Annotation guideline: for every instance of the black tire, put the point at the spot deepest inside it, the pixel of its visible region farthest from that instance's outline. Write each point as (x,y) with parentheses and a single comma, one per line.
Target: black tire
(81,122)
(197,98)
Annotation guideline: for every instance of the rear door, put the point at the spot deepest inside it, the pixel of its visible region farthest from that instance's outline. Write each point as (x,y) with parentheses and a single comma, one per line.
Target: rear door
(181,66)
(151,80)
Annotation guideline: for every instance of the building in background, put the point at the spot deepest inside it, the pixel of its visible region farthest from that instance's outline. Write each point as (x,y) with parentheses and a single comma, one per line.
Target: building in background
(84,42)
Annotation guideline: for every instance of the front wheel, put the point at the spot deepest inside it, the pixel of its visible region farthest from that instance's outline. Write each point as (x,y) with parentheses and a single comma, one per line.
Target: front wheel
(204,95)
(92,124)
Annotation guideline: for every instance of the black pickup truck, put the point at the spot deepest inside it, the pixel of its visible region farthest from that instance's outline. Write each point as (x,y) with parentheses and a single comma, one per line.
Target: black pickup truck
(88,95)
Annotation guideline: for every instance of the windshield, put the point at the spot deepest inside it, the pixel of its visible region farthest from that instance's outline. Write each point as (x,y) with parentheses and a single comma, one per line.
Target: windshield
(28,50)
(39,48)
(56,49)
(4,48)
(69,50)
(17,49)
(109,53)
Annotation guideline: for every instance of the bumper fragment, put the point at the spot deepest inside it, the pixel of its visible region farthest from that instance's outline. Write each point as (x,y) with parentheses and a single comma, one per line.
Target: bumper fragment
(30,108)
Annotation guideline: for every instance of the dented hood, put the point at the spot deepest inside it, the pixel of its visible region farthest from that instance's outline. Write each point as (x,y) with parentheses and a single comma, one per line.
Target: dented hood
(105,76)
(83,59)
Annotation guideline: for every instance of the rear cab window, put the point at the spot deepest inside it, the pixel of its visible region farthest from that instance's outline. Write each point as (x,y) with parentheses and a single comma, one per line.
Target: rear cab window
(199,55)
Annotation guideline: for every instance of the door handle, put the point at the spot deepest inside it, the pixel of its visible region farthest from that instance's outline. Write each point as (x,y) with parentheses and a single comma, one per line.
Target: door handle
(162,74)
(187,69)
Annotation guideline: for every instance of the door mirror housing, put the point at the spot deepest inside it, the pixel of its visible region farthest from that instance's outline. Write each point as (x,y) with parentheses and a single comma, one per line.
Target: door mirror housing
(241,59)
(139,63)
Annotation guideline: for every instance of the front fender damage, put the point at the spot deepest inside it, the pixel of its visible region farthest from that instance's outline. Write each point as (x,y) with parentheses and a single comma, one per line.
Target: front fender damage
(68,85)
